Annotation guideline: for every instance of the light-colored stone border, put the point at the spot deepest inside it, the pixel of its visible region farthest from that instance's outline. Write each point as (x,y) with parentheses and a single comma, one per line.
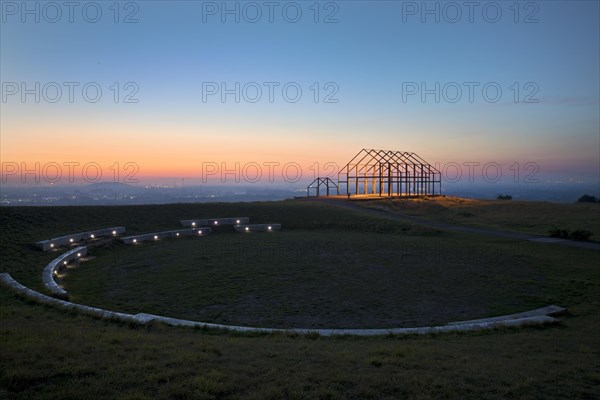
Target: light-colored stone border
(214,221)
(539,316)
(56,265)
(257,227)
(144,237)
(536,318)
(24,291)
(50,244)
(548,310)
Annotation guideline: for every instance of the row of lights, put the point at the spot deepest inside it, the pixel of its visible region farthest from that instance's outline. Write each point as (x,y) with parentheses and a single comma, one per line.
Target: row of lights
(65,263)
(156,236)
(176,234)
(92,236)
(237,221)
(269,228)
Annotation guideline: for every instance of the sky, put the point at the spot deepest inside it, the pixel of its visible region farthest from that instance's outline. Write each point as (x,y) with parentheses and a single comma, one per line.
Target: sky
(156,91)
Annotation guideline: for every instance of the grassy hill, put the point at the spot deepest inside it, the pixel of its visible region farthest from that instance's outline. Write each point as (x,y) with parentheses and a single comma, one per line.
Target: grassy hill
(50,354)
(536,217)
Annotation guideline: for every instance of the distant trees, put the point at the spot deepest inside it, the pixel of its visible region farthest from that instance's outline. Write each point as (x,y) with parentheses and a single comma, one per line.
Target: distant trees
(504,197)
(586,198)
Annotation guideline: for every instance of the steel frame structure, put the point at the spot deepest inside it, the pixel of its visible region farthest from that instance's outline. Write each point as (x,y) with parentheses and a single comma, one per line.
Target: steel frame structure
(317,183)
(389,173)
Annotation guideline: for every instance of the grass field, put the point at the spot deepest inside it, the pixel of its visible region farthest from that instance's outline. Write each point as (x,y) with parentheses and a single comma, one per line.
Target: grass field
(308,279)
(50,354)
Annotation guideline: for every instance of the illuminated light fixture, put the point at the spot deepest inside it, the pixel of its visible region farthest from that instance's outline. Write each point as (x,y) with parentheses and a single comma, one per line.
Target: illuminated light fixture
(114,232)
(64,262)
(269,228)
(51,244)
(55,272)
(199,232)
(92,236)
(177,234)
(216,222)
(155,237)
(193,224)
(134,240)
(237,221)
(71,240)
(78,254)
(247,229)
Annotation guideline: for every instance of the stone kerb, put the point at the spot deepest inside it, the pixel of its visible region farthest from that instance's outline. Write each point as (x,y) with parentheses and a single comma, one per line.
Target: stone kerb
(56,265)
(257,227)
(549,310)
(214,221)
(156,236)
(74,238)
(541,316)
(143,318)
(28,293)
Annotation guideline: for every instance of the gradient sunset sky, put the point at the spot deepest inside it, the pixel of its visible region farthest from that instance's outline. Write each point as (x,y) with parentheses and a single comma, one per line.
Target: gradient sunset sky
(370,52)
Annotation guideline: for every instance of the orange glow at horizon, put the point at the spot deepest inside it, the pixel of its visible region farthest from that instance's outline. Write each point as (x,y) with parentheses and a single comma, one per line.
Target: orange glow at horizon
(185,151)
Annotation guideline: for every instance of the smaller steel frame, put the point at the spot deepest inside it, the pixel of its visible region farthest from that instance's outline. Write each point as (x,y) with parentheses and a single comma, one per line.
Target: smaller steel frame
(317,183)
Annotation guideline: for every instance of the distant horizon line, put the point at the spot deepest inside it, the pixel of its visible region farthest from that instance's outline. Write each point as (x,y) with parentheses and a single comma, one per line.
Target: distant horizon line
(153,182)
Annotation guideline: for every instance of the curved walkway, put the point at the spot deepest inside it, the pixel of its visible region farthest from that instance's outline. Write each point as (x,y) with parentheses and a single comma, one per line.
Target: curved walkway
(453,227)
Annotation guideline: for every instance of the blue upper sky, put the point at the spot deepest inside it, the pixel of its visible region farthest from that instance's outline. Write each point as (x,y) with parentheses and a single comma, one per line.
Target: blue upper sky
(371,54)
